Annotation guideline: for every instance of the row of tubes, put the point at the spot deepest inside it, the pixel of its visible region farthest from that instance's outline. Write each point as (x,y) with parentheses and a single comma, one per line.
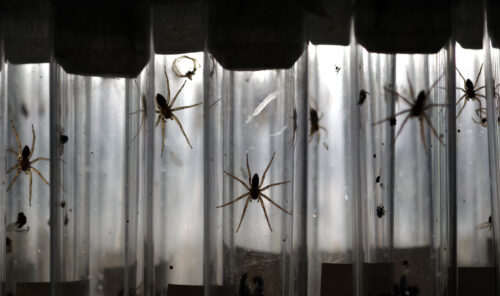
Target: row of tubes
(359,212)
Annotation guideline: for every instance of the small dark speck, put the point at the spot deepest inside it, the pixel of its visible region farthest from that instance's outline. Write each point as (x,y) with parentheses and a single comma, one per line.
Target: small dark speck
(374,155)
(392,121)
(66,220)
(63,139)
(171,267)
(127,221)
(405,263)
(380,211)
(70,210)
(91,152)
(377,180)
(63,204)
(441,135)
(458,131)
(383,144)
(24,111)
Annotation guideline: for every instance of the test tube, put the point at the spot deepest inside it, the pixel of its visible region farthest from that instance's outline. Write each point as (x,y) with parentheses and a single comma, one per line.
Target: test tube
(255,118)
(177,192)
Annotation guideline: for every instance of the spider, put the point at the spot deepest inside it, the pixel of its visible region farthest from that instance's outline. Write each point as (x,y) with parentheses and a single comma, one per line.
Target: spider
(418,107)
(23,161)
(189,74)
(255,192)
(315,126)
(470,92)
(482,111)
(165,111)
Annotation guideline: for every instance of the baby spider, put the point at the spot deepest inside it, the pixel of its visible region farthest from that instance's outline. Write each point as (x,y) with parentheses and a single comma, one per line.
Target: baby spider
(417,109)
(482,111)
(470,92)
(315,127)
(255,192)
(23,161)
(165,111)
(189,74)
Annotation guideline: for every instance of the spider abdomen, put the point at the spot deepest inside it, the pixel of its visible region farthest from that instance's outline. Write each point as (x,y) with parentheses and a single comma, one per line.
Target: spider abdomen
(24,164)
(418,108)
(254,192)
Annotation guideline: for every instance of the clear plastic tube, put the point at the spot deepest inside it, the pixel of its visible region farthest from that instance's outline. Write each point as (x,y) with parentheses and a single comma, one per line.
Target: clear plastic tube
(99,147)
(177,175)
(256,110)
(492,90)
(330,231)
(473,186)
(27,261)
(3,159)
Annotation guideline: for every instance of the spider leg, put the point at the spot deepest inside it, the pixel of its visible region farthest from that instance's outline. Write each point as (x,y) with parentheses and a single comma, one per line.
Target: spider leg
(391,117)
(12,168)
(434,105)
(140,110)
(401,128)
(39,158)
(265,172)
(140,126)
(461,74)
(32,143)
(249,174)
(17,136)
(434,85)
(318,138)
(235,200)
(462,109)
(480,88)
(422,134)
(412,93)
(462,89)
(310,136)
(237,179)
(168,85)
(243,214)
(478,74)
(14,179)
(186,107)
(41,176)
(265,213)
(162,137)
(461,98)
(177,94)
(182,130)
(274,184)
(158,120)
(324,128)
(398,95)
(275,204)
(432,128)
(12,151)
(31,183)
